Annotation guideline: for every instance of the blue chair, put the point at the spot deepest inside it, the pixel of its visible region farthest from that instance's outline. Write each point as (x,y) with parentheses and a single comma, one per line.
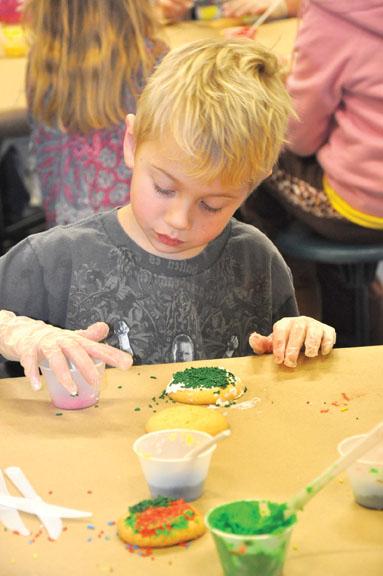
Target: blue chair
(357,263)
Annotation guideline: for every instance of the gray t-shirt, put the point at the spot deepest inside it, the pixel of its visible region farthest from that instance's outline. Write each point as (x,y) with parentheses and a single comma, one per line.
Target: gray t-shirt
(160,310)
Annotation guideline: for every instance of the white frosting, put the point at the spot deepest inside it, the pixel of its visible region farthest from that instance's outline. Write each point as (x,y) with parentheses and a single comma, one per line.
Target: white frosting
(233,405)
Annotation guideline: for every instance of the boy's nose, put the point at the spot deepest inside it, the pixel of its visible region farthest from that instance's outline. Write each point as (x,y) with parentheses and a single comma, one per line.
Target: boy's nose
(178,216)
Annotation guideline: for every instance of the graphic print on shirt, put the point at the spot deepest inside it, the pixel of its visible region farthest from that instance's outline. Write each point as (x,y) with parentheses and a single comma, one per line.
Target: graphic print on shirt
(121,330)
(231,347)
(170,315)
(182,348)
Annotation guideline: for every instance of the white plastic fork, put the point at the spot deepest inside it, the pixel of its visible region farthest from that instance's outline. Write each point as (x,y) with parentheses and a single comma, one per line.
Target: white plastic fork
(11,519)
(53,525)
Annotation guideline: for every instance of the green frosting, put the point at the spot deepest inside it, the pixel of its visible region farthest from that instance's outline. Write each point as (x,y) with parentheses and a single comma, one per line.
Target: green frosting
(246,518)
(150,503)
(205,377)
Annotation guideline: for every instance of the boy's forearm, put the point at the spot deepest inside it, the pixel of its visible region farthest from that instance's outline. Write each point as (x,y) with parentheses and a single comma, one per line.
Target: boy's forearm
(14,330)
(6,318)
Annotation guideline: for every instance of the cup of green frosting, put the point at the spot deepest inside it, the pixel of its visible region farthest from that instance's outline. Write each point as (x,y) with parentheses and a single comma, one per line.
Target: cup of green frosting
(249,541)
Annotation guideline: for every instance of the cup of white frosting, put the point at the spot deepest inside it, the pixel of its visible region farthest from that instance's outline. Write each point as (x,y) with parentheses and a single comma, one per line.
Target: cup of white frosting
(166,468)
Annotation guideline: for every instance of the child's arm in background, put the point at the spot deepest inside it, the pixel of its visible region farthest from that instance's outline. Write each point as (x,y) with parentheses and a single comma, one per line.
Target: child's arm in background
(290,335)
(238,8)
(173,10)
(30,341)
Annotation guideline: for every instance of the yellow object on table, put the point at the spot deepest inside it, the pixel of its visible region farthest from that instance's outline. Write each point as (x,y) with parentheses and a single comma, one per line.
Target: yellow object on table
(208,12)
(84,460)
(12,41)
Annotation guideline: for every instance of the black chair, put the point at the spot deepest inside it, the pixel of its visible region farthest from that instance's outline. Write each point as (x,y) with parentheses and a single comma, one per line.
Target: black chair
(31,221)
(356,262)
(18,218)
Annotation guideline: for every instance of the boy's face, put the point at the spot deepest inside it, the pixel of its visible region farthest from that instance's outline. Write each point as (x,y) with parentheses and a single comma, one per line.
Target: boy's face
(170,214)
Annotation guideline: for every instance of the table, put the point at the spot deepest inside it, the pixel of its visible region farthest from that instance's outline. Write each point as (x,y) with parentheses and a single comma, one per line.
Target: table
(84,459)
(278,36)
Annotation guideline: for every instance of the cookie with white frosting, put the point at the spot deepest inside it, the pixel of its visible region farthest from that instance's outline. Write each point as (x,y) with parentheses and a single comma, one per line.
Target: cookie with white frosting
(205,385)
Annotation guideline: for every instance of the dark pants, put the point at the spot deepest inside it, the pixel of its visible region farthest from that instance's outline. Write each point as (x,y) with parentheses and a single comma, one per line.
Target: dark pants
(295,191)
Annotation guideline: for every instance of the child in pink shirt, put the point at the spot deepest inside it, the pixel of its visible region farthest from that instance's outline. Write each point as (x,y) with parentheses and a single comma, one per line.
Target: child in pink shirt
(331,173)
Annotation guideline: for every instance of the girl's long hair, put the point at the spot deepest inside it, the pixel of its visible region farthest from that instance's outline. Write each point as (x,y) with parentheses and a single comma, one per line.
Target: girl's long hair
(85,57)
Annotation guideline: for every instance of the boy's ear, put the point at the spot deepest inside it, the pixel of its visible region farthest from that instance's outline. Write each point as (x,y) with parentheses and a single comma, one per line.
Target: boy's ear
(129,143)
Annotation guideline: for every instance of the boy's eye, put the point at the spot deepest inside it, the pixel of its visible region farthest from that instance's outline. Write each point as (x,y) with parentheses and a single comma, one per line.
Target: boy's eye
(209,208)
(163,191)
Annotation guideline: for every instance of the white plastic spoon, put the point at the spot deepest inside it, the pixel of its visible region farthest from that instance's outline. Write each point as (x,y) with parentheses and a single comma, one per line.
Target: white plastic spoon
(53,525)
(11,518)
(300,499)
(264,16)
(205,445)
(284,510)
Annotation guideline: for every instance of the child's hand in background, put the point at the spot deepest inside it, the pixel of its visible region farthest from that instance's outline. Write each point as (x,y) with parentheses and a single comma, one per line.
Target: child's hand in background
(30,341)
(290,335)
(173,10)
(238,8)
(235,31)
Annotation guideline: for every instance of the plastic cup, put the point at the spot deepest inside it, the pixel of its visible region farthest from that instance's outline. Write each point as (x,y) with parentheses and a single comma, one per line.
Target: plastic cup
(87,394)
(366,474)
(167,474)
(247,554)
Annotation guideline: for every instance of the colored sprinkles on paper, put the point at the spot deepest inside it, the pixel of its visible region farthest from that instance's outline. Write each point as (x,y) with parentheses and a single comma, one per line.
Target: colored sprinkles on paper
(342,404)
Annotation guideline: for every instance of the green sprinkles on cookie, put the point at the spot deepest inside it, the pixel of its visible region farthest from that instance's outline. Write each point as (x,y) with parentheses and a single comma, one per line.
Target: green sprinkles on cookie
(205,377)
(159,516)
(151,503)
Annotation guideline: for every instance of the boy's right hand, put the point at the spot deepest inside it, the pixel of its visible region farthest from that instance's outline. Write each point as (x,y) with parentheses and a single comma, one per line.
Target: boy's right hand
(30,341)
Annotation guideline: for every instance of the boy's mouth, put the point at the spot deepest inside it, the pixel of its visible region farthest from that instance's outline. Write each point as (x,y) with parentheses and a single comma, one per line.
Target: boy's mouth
(168,240)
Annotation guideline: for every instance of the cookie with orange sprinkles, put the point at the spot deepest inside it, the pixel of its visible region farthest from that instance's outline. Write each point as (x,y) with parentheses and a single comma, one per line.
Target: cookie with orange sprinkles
(160,522)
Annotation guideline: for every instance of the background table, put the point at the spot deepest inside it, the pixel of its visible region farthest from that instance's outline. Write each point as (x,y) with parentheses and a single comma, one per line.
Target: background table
(84,459)
(278,36)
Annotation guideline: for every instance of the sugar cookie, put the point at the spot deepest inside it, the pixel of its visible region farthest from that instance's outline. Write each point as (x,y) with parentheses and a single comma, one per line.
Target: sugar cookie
(191,417)
(160,522)
(205,385)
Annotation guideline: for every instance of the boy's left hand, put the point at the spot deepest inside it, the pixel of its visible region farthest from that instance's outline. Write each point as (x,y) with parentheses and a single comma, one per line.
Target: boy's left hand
(290,335)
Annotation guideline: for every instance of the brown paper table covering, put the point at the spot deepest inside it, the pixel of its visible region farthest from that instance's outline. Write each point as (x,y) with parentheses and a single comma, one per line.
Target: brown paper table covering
(84,459)
(278,36)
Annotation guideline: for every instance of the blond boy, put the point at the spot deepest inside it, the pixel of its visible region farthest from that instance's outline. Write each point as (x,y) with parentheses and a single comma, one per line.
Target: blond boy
(172,266)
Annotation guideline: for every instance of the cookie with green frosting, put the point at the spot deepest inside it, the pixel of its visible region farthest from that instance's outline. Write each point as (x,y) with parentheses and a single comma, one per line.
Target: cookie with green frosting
(160,522)
(205,385)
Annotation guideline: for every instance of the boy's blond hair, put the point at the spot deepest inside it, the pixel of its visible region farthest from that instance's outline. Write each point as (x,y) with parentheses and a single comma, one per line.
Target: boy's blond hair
(224,104)
(85,58)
